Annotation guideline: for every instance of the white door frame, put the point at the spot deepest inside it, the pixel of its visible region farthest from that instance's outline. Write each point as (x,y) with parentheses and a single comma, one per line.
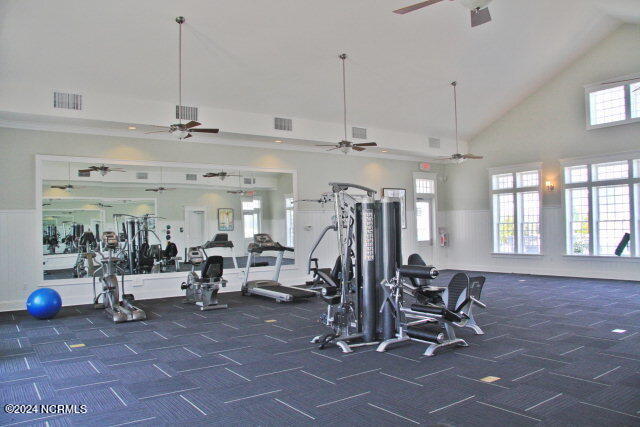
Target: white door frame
(187,210)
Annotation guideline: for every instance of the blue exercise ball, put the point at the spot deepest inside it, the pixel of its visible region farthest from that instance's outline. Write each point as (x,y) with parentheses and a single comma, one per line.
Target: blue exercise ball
(44,303)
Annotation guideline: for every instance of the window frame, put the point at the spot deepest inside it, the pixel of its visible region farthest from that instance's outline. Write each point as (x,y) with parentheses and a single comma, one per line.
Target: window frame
(432,199)
(292,209)
(625,81)
(259,216)
(515,191)
(632,181)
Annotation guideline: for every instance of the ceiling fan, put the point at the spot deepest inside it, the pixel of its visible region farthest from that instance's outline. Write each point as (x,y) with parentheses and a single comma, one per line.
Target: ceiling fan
(68,187)
(345,146)
(101,205)
(182,130)
(479,10)
(324,198)
(457,156)
(222,175)
(242,192)
(102,169)
(159,189)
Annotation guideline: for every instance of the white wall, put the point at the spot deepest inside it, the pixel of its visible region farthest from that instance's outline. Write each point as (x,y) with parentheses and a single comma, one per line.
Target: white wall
(547,126)
(18,148)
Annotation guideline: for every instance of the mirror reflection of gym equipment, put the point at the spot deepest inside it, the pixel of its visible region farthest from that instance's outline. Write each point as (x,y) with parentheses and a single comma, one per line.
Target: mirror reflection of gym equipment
(158,220)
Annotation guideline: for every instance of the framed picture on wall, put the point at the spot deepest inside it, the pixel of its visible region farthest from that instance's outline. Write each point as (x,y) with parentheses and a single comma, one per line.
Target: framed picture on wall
(398,193)
(225,219)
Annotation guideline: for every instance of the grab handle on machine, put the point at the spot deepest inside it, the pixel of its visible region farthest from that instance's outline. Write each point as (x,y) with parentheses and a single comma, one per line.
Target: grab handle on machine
(477,301)
(418,271)
(342,186)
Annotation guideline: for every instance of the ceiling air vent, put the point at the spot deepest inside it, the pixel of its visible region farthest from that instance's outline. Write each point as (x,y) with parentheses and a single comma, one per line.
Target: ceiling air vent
(142,175)
(69,101)
(283,124)
(192,177)
(186,113)
(249,180)
(84,174)
(434,143)
(359,133)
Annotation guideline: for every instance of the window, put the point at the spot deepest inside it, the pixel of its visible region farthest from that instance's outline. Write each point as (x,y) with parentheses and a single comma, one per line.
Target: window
(613,103)
(635,100)
(289,225)
(601,207)
(516,211)
(251,216)
(424,189)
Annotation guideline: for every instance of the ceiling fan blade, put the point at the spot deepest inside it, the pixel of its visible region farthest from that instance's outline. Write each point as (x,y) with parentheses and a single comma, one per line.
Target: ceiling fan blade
(366,144)
(334,148)
(151,189)
(325,145)
(205,130)
(117,170)
(356,148)
(157,131)
(416,6)
(191,124)
(479,17)
(188,136)
(472,156)
(85,170)
(444,158)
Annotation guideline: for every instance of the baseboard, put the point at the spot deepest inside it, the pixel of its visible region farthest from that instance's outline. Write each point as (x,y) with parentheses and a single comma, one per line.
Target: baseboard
(556,272)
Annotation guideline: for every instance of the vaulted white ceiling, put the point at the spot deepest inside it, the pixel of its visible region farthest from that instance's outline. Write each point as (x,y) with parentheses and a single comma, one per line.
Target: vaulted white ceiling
(279,57)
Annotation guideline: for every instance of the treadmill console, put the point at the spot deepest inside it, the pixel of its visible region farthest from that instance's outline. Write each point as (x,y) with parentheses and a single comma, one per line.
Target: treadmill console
(263,242)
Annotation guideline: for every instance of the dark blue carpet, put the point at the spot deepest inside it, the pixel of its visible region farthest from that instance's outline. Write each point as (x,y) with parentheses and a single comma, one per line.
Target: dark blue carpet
(549,341)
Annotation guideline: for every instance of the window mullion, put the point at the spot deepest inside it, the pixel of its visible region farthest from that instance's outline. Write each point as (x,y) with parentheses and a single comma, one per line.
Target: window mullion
(592,229)
(516,224)
(627,102)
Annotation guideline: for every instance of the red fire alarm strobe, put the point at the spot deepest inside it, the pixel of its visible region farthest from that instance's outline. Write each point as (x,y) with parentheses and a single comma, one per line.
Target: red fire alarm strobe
(425,166)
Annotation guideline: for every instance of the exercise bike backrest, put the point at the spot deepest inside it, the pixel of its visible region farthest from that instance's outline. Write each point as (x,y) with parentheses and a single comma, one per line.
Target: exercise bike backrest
(212,268)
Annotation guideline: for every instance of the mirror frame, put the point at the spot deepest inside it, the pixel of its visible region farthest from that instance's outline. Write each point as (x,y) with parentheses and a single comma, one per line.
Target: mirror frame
(40,158)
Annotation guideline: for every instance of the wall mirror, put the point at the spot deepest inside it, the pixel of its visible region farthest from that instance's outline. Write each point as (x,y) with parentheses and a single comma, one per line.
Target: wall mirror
(159,211)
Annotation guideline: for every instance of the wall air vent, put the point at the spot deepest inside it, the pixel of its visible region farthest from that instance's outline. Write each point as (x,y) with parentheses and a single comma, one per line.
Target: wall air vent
(192,177)
(283,124)
(434,143)
(142,175)
(186,113)
(69,101)
(359,133)
(84,174)
(249,180)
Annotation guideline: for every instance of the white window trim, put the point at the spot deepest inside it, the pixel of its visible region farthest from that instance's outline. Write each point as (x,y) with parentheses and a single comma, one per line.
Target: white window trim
(628,156)
(513,169)
(625,81)
(434,206)
(245,199)
(293,210)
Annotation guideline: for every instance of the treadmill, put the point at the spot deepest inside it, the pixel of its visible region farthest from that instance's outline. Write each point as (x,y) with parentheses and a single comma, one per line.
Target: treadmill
(270,288)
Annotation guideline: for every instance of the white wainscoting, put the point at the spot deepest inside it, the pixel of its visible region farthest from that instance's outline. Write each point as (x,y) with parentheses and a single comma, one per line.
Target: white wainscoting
(20,273)
(470,247)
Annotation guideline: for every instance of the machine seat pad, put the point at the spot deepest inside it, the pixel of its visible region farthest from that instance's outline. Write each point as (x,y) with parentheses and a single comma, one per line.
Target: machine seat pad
(331,300)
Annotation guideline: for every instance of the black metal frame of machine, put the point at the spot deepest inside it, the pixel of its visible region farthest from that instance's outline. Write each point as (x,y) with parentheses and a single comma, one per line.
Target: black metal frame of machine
(368,233)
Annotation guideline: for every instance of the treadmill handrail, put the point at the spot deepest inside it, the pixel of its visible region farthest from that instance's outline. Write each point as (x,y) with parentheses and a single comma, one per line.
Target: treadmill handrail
(343,186)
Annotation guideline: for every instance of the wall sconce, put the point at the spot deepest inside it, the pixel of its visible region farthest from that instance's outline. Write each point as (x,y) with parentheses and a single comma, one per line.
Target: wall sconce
(549,185)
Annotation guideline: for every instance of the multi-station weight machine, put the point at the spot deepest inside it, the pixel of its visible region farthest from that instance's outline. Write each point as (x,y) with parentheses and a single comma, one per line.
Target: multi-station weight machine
(365,290)
(368,235)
